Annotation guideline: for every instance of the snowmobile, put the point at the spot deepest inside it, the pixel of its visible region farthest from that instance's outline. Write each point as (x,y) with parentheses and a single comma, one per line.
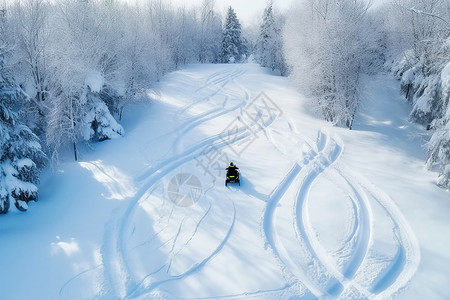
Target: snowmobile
(233,177)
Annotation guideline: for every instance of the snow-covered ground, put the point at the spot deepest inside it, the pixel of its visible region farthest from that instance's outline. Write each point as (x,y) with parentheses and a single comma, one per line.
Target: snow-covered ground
(321,212)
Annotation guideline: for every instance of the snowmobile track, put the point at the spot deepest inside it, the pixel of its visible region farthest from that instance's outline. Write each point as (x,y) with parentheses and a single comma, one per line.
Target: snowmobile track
(311,259)
(218,82)
(146,286)
(325,163)
(118,271)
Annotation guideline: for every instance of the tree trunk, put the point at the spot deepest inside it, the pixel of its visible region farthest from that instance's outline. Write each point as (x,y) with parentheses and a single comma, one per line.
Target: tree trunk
(75,150)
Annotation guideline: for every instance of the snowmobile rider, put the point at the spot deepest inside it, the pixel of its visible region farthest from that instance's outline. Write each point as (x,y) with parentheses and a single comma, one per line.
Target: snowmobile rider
(232,169)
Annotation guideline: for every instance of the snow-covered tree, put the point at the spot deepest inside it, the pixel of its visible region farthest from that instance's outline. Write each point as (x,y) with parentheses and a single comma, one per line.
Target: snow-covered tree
(417,31)
(73,65)
(32,34)
(439,148)
(97,123)
(210,33)
(439,144)
(84,55)
(328,44)
(419,45)
(21,156)
(233,46)
(269,49)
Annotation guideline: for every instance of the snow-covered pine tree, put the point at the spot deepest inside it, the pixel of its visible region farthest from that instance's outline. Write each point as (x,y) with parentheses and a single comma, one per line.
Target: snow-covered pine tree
(270,43)
(233,46)
(97,122)
(21,156)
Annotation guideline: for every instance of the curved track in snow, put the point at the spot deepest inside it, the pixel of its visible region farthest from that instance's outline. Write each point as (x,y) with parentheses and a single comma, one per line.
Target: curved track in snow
(290,237)
(118,271)
(363,195)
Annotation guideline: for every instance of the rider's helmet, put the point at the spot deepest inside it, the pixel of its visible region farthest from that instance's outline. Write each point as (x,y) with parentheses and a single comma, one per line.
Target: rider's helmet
(231,164)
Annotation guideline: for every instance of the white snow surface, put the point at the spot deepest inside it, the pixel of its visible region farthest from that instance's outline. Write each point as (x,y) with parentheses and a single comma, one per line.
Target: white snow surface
(321,212)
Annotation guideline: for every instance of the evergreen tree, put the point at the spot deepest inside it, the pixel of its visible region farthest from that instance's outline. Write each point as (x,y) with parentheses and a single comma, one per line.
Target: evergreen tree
(270,43)
(233,45)
(97,122)
(21,157)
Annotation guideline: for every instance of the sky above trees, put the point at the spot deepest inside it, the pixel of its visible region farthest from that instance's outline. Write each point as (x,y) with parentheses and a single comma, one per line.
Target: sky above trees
(249,12)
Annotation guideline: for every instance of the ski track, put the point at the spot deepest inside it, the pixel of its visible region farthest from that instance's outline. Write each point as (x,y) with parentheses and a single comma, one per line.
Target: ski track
(68,282)
(322,161)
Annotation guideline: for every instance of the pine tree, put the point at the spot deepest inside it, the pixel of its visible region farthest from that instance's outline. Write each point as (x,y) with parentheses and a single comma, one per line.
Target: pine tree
(21,156)
(233,46)
(270,43)
(97,122)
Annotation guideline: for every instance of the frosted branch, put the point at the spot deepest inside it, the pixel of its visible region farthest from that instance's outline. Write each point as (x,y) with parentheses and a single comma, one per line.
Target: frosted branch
(421,12)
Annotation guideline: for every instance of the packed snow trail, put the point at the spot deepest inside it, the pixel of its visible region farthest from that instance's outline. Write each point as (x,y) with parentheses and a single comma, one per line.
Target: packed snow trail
(312,219)
(317,274)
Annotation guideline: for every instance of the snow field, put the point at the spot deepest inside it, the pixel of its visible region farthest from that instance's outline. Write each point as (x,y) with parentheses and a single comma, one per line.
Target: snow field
(315,216)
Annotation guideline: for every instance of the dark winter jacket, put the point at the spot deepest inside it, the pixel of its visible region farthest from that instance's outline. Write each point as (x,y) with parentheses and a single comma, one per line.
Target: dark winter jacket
(232,170)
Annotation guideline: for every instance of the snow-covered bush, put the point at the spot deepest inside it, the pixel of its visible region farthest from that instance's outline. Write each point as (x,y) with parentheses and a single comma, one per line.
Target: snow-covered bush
(421,82)
(439,144)
(419,30)
(439,153)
